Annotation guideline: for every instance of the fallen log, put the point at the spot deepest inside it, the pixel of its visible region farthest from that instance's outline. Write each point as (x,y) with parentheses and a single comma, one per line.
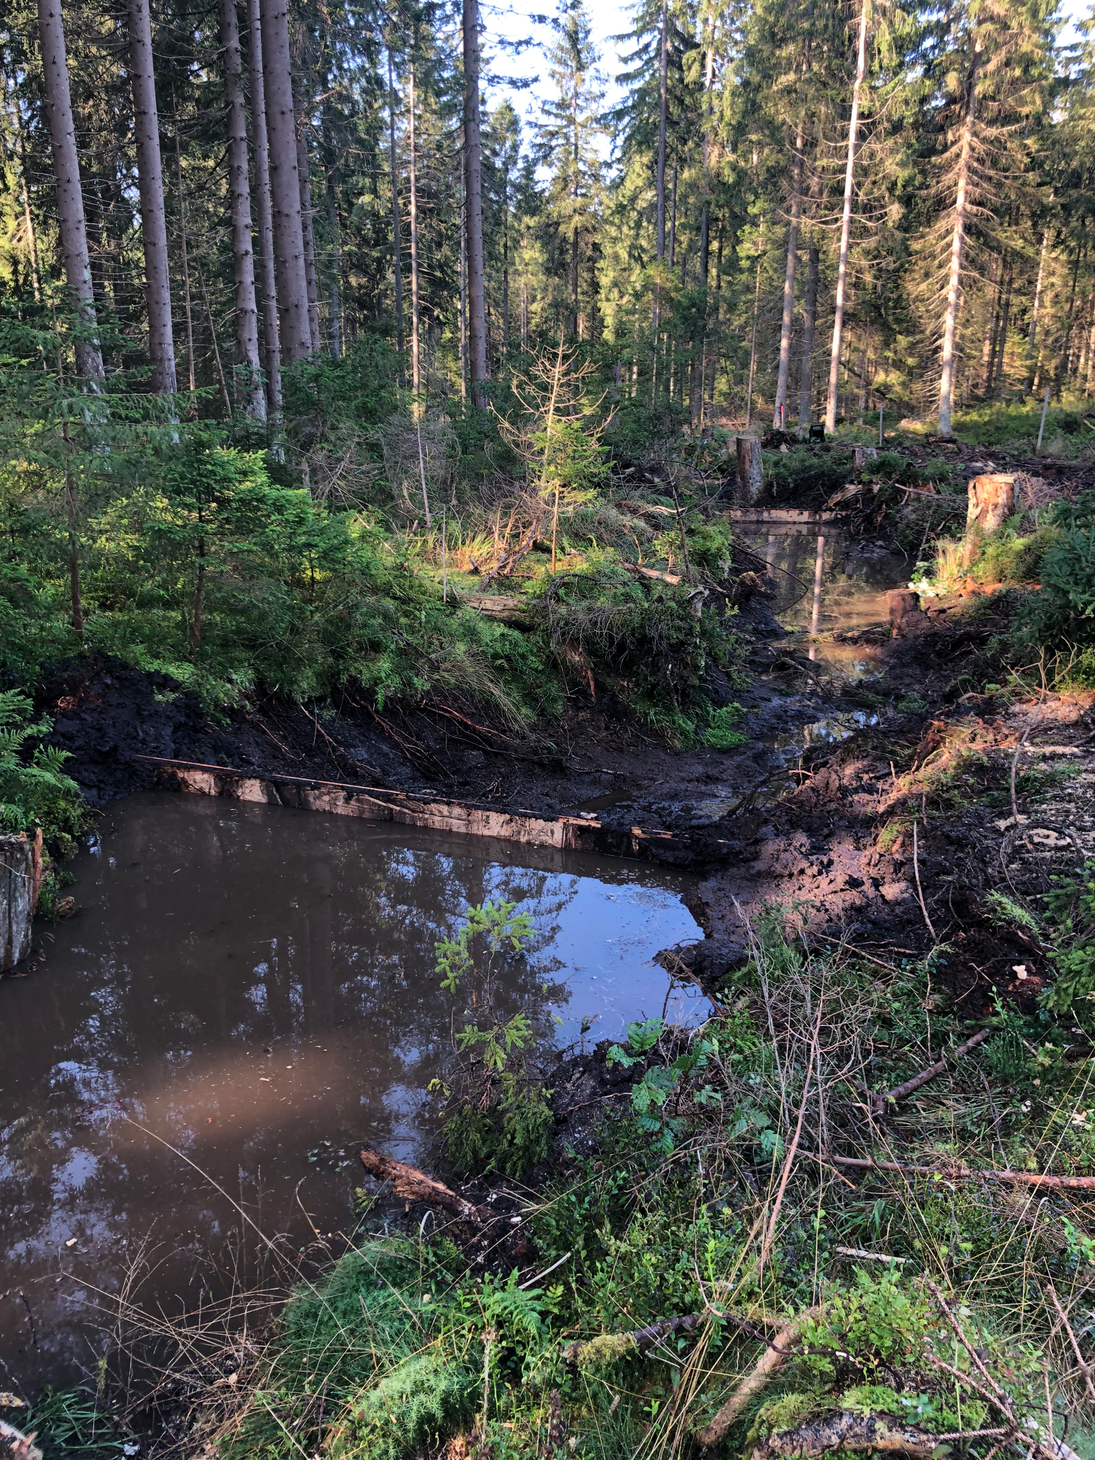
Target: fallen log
(770,1360)
(652,573)
(958,1172)
(607,1348)
(413,1185)
(879,1100)
(14,1445)
(846,1431)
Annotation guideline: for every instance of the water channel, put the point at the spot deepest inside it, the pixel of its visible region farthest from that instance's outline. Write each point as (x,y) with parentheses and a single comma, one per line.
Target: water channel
(252,989)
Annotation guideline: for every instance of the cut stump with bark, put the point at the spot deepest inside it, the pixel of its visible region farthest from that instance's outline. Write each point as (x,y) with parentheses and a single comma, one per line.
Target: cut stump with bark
(990,502)
(750,468)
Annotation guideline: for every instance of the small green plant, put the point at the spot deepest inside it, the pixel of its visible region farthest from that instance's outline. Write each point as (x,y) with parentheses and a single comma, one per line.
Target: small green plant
(1070,914)
(502,1115)
(35,792)
(720,733)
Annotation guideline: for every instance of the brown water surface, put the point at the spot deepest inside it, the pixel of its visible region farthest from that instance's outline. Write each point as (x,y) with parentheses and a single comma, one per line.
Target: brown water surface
(255,987)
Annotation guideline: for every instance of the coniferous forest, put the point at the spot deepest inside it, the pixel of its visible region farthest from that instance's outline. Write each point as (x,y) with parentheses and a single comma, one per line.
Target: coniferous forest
(657,496)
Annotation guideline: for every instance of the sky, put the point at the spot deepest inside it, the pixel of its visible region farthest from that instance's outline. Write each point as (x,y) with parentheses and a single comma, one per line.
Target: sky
(510,19)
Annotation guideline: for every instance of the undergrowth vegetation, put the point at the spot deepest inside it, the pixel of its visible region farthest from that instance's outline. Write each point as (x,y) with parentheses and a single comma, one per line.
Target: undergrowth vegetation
(731,1213)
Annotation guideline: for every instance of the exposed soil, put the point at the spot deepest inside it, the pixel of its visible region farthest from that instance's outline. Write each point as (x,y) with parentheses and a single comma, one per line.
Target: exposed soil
(821,848)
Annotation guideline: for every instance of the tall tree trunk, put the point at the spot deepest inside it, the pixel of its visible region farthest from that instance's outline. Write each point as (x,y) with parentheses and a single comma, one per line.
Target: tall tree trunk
(70,199)
(334,319)
(271,334)
(505,267)
(989,342)
(1002,339)
(958,238)
(146,121)
(416,319)
(473,188)
(307,225)
(463,302)
(397,227)
(809,326)
(184,259)
(673,216)
(753,341)
(1032,337)
(24,190)
(789,286)
(292,285)
(663,117)
(248,368)
(846,221)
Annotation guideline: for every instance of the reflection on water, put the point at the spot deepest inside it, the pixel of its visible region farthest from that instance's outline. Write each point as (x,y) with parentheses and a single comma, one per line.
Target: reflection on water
(822,586)
(251,984)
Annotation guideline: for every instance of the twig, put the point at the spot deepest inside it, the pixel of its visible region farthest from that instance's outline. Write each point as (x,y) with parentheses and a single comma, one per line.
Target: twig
(873,1256)
(919,889)
(959,1173)
(1085,1367)
(1014,767)
(900,1091)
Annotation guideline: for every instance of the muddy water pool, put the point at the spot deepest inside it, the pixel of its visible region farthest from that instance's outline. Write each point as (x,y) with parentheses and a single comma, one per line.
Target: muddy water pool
(255,987)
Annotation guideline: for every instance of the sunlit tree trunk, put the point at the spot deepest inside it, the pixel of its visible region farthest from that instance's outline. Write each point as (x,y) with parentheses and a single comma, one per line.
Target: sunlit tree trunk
(473,190)
(334,321)
(416,319)
(271,336)
(809,327)
(146,122)
(846,221)
(958,238)
(249,370)
(789,287)
(397,226)
(304,174)
(70,199)
(292,286)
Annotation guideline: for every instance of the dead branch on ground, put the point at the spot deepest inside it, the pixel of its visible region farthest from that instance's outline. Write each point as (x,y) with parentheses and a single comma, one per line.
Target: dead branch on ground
(413,1185)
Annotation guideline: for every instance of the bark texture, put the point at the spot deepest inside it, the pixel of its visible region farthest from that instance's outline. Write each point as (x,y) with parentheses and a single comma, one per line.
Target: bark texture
(958,238)
(249,376)
(750,468)
(292,285)
(271,336)
(473,189)
(413,1185)
(19,881)
(769,1362)
(789,288)
(846,222)
(70,198)
(157,271)
(846,1431)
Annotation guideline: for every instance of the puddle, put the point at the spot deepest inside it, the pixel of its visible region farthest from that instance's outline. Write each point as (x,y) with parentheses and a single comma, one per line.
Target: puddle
(250,984)
(823,586)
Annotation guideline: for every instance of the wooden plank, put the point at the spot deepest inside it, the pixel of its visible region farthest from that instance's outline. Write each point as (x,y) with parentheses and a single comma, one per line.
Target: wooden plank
(408,808)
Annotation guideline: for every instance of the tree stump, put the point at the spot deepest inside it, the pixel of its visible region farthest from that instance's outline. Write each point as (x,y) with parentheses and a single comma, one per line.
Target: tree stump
(906,615)
(861,455)
(991,501)
(18,895)
(750,469)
